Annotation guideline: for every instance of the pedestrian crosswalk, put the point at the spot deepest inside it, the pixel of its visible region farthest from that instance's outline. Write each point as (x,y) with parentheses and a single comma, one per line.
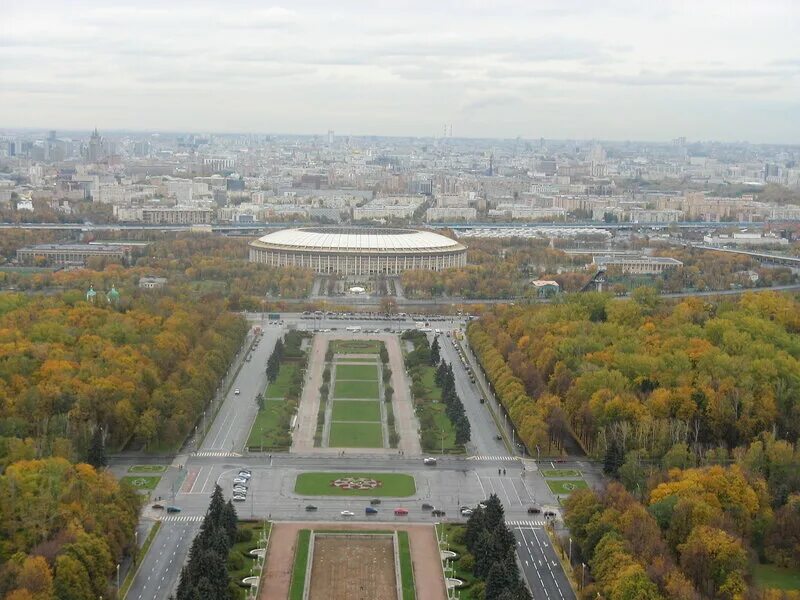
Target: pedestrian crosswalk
(182,518)
(495,457)
(526,523)
(216,453)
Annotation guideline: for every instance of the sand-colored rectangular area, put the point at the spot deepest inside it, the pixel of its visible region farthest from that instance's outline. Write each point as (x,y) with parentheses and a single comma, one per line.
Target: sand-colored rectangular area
(429,581)
(353,567)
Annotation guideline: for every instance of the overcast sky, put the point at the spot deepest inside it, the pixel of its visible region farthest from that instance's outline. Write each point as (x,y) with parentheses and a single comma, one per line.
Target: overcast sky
(642,69)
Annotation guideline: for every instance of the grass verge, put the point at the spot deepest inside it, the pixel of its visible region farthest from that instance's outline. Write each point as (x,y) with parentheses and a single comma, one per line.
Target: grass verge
(126,585)
(147,469)
(271,427)
(321,484)
(406,566)
(561,473)
(775,577)
(566,486)
(298,584)
(361,372)
(142,482)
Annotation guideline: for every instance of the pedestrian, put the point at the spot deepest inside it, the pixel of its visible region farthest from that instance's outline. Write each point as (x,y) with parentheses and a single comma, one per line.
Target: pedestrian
(498,471)
(504,471)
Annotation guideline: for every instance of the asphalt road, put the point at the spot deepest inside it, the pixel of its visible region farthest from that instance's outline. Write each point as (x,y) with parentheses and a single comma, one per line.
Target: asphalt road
(541,565)
(453,482)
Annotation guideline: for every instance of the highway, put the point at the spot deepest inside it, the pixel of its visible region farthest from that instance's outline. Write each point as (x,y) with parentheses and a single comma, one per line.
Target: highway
(453,482)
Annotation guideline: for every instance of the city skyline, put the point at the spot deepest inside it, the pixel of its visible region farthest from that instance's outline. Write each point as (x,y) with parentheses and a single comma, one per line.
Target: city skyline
(561,71)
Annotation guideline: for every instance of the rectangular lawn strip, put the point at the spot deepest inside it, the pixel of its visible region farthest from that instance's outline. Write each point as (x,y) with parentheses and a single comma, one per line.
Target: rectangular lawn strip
(406,566)
(147,469)
(320,484)
(356,389)
(561,473)
(773,576)
(356,346)
(361,372)
(280,387)
(274,422)
(357,410)
(566,486)
(142,482)
(355,435)
(300,565)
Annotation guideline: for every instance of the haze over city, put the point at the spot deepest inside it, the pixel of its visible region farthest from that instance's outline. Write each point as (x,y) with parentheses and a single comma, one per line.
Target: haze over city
(612,70)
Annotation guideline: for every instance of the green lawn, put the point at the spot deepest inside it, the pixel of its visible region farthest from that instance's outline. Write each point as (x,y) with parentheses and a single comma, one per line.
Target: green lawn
(280,387)
(406,567)
(566,486)
(273,421)
(561,473)
(147,469)
(362,372)
(356,389)
(432,438)
(356,346)
(142,482)
(355,435)
(320,484)
(300,565)
(352,360)
(357,410)
(432,391)
(771,576)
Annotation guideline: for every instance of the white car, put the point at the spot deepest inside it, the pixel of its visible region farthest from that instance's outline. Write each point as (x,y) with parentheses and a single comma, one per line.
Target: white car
(347,513)
(236,391)
(241,480)
(466,512)
(245,474)
(239,498)
(240,489)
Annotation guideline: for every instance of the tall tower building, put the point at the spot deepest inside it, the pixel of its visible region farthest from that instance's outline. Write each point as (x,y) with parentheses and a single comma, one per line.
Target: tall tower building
(95,147)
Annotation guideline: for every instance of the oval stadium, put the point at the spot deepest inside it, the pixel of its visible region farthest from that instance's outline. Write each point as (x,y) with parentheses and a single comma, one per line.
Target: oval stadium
(358,250)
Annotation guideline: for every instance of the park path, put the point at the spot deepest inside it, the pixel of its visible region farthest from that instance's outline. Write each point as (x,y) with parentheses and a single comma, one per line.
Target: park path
(405,419)
(277,576)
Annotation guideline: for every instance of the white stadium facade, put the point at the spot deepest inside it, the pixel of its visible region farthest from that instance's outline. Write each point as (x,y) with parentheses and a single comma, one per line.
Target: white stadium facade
(358,250)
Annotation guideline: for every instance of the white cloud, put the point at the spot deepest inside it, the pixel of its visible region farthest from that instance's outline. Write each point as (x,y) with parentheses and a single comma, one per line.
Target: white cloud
(724,69)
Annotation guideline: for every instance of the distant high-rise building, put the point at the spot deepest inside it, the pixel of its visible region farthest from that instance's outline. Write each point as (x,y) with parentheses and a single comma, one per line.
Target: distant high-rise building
(330,136)
(94,151)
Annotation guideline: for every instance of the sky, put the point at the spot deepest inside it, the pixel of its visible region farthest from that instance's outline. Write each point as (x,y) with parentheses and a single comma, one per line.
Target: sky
(614,70)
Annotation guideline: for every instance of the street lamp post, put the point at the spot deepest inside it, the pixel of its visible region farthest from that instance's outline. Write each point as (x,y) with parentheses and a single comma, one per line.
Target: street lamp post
(583,574)
(538,456)
(570,551)
(117,579)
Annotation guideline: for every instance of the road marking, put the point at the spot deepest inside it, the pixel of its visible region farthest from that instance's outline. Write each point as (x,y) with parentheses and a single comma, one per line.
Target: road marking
(529,524)
(493,457)
(483,491)
(217,453)
(182,518)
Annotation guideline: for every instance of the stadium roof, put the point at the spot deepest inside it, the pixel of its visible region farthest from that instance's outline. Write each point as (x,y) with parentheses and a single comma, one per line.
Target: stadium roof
(355,238)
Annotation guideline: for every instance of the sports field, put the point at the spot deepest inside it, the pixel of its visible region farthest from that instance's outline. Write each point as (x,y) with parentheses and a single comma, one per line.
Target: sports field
(357,410)
(360,372)
(375,484)
(355,435)
(355,389)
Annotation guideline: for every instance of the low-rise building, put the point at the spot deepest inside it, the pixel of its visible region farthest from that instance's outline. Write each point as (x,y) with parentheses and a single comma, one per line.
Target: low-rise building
(152,283)
(637,265)
(69,254)
(545,288)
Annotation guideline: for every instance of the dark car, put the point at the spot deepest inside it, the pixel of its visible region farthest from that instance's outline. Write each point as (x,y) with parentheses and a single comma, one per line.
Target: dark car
(534,510)
(498,437)
(375,501)
(173,509)
(426,506)
(437,513)
(310,507)
(549,514)
(158,506)
(371,511)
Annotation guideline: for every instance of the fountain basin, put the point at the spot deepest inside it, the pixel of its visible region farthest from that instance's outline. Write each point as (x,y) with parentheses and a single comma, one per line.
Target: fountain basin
(452,582)
(251,581)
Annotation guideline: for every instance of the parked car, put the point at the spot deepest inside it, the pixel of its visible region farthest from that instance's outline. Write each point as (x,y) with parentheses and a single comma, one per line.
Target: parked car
(375,501)
(347,513)
(245,473)
(436,512)
(400,512)
(173,509)
(370,510)
(427,506)
(241,480)
(158,506)
(239,498)
(239,489)
(466,512)
(310,507)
